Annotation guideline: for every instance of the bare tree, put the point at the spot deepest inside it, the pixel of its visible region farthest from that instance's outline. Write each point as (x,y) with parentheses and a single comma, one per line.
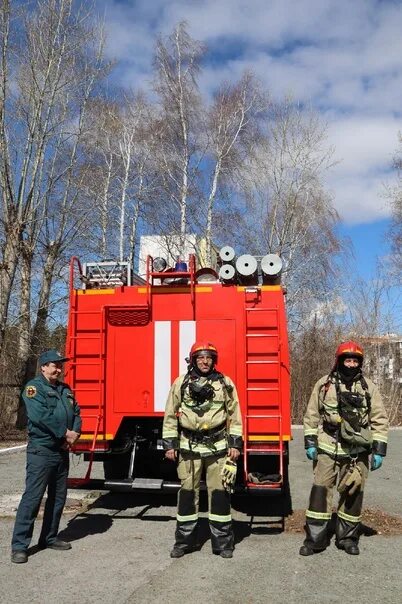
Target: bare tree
(290,212)
(394,194)
(137,174)
(232,131)
(102,166)
(177,63)
(58,61)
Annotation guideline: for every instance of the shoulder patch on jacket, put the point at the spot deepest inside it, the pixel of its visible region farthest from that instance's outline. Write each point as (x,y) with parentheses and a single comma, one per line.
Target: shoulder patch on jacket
(30,391)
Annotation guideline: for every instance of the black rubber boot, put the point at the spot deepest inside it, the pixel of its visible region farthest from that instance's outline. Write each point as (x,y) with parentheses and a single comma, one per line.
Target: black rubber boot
(317,532)
(347,536)
(222,538)
(185,536)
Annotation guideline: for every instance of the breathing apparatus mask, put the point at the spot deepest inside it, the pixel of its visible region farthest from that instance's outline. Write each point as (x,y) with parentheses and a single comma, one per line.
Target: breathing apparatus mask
(201,392)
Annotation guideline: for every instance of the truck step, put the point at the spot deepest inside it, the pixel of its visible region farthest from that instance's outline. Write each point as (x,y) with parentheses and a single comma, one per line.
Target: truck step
(148,484)
(128,484)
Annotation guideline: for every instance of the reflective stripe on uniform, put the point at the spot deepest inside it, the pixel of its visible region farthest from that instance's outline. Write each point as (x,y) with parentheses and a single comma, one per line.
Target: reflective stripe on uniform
(221,445)
(169,434)
(236,431)
(310,431)
(189,518)
(334,449)
(318,515)
(349,518)
(218,518)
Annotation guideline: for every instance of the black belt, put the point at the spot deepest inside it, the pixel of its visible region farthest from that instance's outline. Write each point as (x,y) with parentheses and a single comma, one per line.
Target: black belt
(212,435)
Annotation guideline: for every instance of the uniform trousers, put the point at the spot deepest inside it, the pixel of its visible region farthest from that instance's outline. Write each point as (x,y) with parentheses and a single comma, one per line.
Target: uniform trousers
(43,470)
(328,472)
(189,471)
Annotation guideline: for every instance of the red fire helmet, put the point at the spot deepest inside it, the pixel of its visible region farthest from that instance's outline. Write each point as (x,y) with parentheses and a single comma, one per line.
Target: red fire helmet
(199,348)
(349,349)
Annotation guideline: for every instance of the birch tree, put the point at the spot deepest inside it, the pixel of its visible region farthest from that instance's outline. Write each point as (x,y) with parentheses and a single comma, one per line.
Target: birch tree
(177,64)
(136,178)
(232,130)
(290,211)
(58,61)
(395,197)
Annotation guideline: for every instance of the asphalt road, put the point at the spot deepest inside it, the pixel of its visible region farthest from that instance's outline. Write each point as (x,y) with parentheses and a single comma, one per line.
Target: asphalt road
(121,550)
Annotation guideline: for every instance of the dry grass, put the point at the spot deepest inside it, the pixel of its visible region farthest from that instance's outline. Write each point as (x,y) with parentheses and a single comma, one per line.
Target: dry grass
(374,522)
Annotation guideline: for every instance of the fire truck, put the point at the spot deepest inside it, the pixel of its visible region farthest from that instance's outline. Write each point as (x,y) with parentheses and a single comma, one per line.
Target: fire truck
(128,338)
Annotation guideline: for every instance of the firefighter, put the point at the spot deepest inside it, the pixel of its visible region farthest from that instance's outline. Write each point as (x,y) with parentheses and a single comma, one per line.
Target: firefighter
(202,425)
(345,422)
(54,424)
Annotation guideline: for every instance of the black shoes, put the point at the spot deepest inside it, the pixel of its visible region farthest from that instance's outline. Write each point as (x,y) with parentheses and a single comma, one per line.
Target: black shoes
(305,550)
(226,553)
(19,557)
(177,552)
(57,544)
(350,547)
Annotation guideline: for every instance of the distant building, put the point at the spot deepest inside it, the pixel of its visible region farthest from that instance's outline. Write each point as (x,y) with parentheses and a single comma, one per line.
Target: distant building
(383,358)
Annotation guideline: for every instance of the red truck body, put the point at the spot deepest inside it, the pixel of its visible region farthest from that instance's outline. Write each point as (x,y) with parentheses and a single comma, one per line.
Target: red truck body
(128,343)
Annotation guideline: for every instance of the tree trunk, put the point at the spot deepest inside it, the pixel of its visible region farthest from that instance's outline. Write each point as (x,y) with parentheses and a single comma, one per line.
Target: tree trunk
(7,275)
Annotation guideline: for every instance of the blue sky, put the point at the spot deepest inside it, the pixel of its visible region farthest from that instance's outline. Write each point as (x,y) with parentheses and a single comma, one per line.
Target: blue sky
(341,57)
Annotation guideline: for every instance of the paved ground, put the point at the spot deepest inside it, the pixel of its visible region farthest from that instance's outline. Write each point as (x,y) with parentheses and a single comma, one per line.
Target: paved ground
(121,545)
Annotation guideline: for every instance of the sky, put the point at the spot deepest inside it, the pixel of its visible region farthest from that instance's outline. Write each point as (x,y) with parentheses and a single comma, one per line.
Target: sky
(342,57)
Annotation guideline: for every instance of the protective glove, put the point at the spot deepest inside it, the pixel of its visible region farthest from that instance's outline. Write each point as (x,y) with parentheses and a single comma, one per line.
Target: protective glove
(376,461)
(312,453)
(352,481)
(228,475)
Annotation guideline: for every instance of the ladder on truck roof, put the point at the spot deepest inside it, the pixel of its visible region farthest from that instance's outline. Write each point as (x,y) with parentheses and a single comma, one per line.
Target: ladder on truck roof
(263,392)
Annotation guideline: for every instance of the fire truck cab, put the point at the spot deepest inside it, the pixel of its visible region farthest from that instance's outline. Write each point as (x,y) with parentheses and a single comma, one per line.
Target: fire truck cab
(128,339)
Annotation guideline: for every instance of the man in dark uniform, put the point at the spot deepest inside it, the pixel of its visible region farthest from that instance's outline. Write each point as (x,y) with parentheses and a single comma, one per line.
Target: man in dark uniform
(54,425)
(345,421)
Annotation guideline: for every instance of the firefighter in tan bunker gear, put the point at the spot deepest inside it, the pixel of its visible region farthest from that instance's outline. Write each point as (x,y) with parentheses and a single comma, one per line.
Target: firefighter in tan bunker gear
(202,424)
(345,421)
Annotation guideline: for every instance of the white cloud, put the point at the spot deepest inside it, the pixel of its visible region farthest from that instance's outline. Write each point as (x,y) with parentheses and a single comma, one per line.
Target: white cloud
(364,150)
(344,58)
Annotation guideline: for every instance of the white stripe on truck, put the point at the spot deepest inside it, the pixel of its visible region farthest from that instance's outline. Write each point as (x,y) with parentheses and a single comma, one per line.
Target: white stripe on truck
(162,368)
(186,340)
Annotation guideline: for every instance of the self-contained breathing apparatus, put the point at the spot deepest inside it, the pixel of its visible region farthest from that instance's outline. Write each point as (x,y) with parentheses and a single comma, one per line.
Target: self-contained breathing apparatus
(202,392)
(353,427)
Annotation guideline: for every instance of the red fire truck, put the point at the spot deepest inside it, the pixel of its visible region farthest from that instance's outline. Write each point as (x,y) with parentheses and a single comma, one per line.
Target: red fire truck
(128,339)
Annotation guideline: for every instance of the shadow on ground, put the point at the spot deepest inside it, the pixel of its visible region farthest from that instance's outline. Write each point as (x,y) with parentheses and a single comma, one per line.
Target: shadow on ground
(263,515)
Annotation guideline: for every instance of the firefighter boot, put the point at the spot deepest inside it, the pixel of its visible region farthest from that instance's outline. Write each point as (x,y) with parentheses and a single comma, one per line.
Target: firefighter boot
(185,539)
(316,537)
(347,536)
(220,520)
(222,538)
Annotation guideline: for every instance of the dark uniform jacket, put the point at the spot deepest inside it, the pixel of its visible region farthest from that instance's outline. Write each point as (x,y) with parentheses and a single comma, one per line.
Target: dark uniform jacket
(322,413)
(51,410)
